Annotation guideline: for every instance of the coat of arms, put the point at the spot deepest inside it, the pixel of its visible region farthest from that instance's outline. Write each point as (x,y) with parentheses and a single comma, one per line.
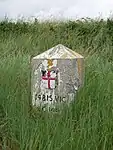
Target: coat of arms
(49,74)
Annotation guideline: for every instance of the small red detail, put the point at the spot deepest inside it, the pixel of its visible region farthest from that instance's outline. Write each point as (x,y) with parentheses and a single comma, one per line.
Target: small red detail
(48,78)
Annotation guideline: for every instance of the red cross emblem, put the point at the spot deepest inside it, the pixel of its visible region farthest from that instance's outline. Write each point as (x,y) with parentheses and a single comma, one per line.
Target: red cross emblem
(48,78)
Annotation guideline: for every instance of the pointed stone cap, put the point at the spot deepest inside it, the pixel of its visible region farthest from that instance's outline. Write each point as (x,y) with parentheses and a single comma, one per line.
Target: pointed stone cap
(58,52)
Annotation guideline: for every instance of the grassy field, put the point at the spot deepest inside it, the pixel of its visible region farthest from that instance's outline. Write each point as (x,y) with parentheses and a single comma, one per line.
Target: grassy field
(88,123)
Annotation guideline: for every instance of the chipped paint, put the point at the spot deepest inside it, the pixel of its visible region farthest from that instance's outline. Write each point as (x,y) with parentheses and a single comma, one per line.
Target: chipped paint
(56,76)
(59,52)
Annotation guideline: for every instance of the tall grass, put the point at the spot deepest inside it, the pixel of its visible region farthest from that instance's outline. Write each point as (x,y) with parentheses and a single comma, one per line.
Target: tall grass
(87,124)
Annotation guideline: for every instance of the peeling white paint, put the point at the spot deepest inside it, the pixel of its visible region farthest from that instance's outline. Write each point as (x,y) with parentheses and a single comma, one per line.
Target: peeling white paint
(58,52)
(56,76)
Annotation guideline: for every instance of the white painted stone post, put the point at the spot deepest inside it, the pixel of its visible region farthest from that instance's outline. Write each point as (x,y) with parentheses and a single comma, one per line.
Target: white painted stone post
(56,76)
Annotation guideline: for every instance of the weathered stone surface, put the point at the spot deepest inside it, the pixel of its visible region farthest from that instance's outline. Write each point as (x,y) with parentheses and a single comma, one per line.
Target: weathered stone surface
(56,76)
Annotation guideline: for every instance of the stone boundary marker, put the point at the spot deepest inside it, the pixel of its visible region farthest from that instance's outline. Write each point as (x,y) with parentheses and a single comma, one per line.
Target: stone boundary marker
(56,75)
